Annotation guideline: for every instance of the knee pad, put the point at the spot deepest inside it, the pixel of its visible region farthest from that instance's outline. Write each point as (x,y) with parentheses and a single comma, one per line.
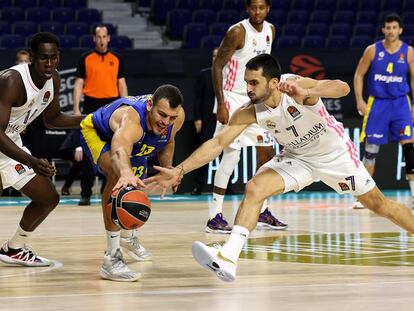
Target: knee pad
(408,150)
(371,152)
(227,164)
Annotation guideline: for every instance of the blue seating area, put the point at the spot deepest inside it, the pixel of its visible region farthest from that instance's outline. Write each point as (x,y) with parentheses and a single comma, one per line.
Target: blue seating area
(70,20)
(299,23)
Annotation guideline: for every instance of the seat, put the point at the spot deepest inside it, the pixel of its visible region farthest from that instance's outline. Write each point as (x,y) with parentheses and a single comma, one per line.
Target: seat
(327,5)
(298,17)
(277,18)
(121,42)
(345,5)
(74,4)
(360,41)
(86,41)
(89,16)
(293,30)
(159,10)
(227,16)
(190,5)
(369,5)
(5,28)
(37,15)
(24,28)
(215,5)
(49,4)
(25,3)
(306,5)
(211,41)
(317,29)
(340,30)
(408,39)
(408,18)
(176,20)
(337,42)
(408,5)
(408,30)
(12,42)
(234,5)
(193,32)
(344,17)
(54,27)
(112,29)
(77,29)
(5,3)
(218,29)
(205,16)
(321,16)
(288,42)
(365,17)
(313,42)
(391,5)
(364,30)
(63,15)
(68,41)
(12,14)
(283,5)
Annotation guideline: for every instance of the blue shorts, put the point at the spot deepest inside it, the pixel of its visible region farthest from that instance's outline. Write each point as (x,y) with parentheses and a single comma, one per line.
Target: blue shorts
(387,120)
(93,146)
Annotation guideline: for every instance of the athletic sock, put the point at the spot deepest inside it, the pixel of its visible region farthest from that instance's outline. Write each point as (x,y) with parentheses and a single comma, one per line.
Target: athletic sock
(113,241)
(232,248)
(19,239)
(216,206)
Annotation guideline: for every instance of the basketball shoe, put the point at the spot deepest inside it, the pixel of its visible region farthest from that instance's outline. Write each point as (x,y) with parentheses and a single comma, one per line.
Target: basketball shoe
(267,220)
(134,249)
(218,225)
(210,259)
(114,268)
(22,256)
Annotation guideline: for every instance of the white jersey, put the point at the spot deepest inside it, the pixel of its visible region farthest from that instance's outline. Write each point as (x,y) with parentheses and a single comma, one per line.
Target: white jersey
(37,100)
(306,132)
(255,43)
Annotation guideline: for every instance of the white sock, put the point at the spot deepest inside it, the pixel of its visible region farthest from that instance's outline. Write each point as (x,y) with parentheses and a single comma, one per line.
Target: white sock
(232,248)
(20,238)
(125,234)
(264,206)
(216,206)
(411,183)
(113,241)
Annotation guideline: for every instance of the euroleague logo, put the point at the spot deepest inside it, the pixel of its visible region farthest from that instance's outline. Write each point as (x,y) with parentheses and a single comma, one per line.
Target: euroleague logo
(307,66)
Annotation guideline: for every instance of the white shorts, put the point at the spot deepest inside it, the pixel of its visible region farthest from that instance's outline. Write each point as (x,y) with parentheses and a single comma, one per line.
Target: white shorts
(254,135)
(15,174)
(341,174)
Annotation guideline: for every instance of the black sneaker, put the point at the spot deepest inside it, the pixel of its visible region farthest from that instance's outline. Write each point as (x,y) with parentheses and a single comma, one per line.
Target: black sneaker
(84,201)
(22,256)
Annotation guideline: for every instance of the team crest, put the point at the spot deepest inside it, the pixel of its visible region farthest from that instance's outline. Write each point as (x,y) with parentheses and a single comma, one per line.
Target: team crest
(46,97)
(254,42)
(19,168)
(293,111)
(401,59)
(259,138)
(344,186)
(270,124)
(164,133)
(267,40)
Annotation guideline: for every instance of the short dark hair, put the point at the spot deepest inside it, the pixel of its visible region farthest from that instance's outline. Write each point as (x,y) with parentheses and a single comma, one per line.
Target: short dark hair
(392,18)
(99,26)
(169,92)
(43,37)
(270,66)
(248,2)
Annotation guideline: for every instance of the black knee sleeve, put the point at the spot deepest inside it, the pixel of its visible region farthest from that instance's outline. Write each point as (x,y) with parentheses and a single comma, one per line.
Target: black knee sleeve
(408,150)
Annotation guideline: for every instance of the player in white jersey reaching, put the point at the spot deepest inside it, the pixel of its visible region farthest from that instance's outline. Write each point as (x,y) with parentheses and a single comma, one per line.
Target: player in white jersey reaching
(316,148)
(26,91)
(242,41)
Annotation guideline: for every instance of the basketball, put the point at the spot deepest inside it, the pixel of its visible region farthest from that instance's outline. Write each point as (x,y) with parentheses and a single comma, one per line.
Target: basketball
(130,208)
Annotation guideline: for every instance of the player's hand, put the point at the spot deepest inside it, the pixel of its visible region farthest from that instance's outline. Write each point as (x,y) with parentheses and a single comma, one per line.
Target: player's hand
(43,167)
(167,177)
(128,179)
(76,112)
(362,107)
(198,124)
(222,113)
(292,89)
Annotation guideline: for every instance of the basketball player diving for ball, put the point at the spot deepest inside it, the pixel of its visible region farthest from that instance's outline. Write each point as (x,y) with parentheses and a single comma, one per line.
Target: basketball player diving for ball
(316,147)
(27,91)
(119,138)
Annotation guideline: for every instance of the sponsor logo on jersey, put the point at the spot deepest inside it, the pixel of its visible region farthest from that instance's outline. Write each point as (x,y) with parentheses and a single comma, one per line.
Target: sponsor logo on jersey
(267,40)
(312,135)
(111,63)
(343,186)
(259,138)
(164,134)
(19,168)
(402,58)
(368,181)
(270,124)
(381,55)
(387,79)
(254,42)
(293,111)
(46,98)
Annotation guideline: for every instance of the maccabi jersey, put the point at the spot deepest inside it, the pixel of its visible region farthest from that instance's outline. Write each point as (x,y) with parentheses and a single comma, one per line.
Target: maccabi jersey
(149,144)
(306,132)
(255,43)
(387,76)
(36,101)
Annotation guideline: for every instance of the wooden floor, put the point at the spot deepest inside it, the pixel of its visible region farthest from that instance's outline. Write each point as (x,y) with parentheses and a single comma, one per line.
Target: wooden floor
(330,258)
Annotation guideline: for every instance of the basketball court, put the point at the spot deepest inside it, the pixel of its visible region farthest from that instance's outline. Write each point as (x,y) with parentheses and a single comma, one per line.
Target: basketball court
(331,258)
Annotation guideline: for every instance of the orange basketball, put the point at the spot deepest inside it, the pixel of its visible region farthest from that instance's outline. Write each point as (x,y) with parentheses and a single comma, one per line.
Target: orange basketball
(131,208)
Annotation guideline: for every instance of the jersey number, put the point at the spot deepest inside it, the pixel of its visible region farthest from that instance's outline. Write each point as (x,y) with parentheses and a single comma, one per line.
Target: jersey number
(29,116)
(390,68)
(138,170)
(145,150)
(293,129)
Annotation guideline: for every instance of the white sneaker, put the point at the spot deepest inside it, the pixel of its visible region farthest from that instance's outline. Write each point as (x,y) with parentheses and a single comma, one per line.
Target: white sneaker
(22,256)
(358,205)
(209,258)
(114,268)
(135,250)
